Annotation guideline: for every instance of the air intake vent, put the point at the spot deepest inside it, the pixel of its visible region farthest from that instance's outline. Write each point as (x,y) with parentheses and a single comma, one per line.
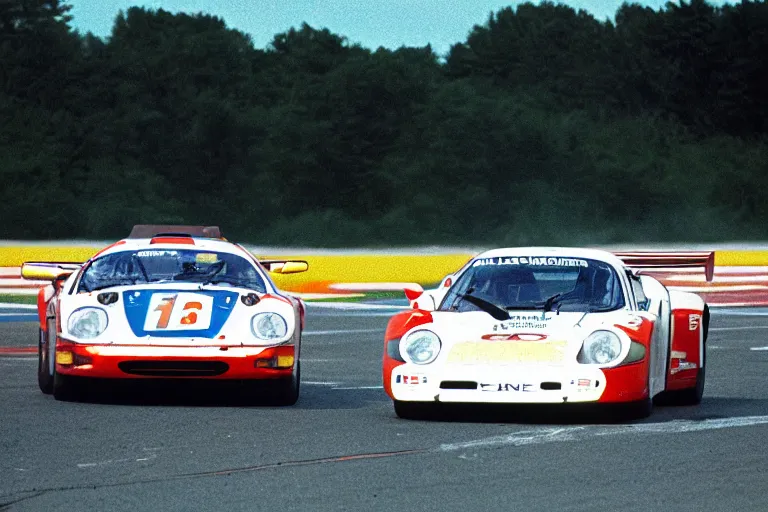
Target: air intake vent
(174,368)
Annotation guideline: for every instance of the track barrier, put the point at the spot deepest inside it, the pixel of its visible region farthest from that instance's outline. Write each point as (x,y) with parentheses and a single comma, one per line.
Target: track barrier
(740,277)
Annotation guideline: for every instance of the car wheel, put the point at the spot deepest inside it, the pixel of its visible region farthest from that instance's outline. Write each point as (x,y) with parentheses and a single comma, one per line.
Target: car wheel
(690,396)
(66,388)
(414,410)
(287,390)
(45,360)
(640,410)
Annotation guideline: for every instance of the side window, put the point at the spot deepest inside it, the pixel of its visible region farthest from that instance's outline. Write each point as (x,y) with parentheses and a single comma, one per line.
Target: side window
(637,290)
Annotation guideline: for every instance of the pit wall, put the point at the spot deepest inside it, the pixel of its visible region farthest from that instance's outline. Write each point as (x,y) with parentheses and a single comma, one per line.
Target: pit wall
(741,276)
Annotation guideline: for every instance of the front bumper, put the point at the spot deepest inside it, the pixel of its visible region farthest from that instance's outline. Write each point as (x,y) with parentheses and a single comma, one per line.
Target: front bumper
(518,383)
(152,361)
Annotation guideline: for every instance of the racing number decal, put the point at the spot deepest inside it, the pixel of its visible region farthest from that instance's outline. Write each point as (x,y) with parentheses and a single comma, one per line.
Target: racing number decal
(191,317)
(179,312)
(165,307)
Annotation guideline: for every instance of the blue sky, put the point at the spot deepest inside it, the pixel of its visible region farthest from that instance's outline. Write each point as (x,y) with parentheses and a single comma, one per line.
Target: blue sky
(372,23)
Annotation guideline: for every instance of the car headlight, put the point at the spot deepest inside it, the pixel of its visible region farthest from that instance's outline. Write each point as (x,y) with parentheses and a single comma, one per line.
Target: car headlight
(87,323)
(421,347)
(269,326)
(600,347)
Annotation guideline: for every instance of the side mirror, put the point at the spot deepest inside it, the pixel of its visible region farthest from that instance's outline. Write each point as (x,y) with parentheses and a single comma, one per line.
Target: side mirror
(286,267)
(42,271)
(413,291)
(418,298)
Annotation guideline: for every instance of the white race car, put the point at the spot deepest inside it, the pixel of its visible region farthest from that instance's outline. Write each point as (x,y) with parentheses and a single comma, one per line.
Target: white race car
(181,304)
(550,325)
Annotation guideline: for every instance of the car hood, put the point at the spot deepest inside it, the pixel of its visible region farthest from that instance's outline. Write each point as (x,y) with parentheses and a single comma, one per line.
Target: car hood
(477,324)
(177,313)
(528,337)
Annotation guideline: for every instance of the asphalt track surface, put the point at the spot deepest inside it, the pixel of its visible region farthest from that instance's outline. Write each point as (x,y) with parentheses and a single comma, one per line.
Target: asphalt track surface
(342,447)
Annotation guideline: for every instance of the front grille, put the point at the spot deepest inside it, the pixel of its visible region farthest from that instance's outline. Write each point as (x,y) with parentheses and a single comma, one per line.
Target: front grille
(174,368)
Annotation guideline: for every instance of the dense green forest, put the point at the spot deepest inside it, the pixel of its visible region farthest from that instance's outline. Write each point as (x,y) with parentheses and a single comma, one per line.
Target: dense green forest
(545,126)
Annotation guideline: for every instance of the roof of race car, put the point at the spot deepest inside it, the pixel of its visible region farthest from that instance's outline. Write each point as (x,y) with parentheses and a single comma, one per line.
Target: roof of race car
(572,252)
(205,244)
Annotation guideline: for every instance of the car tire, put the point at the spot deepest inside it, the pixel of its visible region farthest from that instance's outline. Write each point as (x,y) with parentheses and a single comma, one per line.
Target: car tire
(640,409)
(690,396)
(44,359)
(287,390)
(66,388)
(414,410)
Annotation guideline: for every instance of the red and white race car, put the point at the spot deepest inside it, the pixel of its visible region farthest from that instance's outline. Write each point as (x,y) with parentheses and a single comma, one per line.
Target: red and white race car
(550,325)
(168,302)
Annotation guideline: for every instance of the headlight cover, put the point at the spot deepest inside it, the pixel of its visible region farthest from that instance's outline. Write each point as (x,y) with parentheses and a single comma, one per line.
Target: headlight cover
(269,326)
(600,347)
(421,347)
(87,323)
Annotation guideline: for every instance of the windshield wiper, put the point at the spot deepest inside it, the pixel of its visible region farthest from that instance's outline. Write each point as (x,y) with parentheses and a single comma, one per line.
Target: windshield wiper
(489,307)
(211,274)
(551,301)
(141,267)
(557,299)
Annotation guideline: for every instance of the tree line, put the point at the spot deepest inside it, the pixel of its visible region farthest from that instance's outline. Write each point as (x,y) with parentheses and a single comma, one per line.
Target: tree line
(546,126)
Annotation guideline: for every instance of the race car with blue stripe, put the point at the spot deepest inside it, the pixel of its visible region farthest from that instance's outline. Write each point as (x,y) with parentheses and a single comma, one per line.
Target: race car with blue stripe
(168,302)
(551,326)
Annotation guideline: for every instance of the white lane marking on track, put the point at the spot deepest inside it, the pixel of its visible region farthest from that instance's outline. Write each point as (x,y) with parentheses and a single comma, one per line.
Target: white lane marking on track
(8,361)
(352,306)
(746,311)
(17,306)
(739,328)
(360,387)
(20,313)
(152,454)
(319,383)
(341,331)
(758,349)
(338,313)
(553,435)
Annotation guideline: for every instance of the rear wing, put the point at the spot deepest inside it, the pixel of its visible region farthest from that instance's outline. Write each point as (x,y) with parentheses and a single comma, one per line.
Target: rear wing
(152,230)
(671,260)
(48,270)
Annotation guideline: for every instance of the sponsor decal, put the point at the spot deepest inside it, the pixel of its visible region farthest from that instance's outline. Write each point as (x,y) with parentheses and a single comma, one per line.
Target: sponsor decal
(154,254)
(634,322)
(693,321)
(522,322)
(506,386)
(514,337)
(532,260)
(411,379)
(585,384)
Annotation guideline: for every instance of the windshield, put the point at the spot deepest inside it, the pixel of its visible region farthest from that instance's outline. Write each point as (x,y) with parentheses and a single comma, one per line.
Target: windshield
(561,284)
(170,265)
